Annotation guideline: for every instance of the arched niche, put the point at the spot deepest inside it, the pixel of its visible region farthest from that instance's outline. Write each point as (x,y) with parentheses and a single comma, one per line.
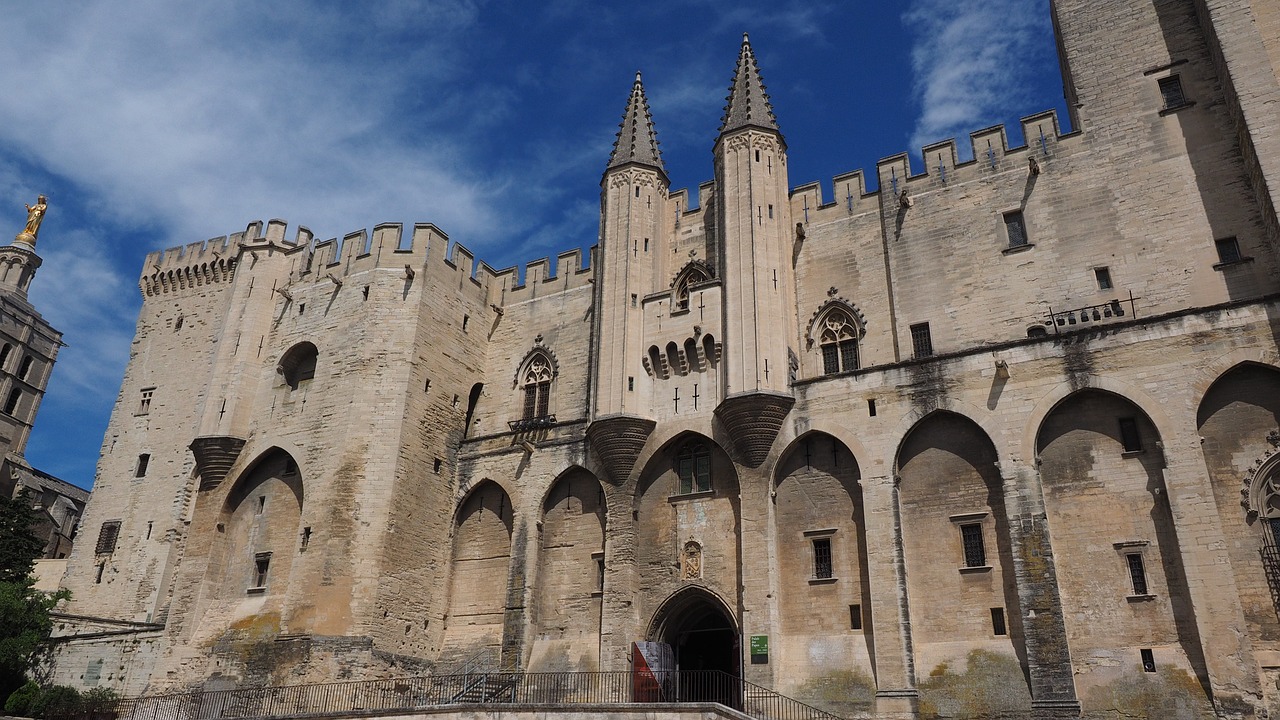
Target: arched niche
(958,554)
(824,598)
(259,536)
(1115,547)
(570,576)
(298,365)
(672,509)
(1239,423)
(480,565)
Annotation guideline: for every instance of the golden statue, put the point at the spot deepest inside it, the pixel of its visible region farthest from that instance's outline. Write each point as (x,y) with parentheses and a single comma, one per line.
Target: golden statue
(35,216)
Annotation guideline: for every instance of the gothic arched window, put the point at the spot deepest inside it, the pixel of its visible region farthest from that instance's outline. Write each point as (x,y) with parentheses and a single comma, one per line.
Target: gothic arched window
(839,342)
(693,465)
(692,275)
(538,373)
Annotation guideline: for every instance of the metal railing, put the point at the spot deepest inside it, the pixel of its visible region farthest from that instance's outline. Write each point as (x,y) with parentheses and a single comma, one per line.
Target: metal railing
(487,688)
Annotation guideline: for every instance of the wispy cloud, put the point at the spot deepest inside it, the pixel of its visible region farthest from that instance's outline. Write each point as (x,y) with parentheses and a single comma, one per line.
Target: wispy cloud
(970,60)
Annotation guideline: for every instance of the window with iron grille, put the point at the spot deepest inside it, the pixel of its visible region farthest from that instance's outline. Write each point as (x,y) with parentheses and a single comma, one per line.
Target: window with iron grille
(822,568)
(1171,92)
(1137,573)
(537,388)
(975,553)
(1016,228)
(1130,438)
(839,339)
(921,340)
(107,537)
(693,465)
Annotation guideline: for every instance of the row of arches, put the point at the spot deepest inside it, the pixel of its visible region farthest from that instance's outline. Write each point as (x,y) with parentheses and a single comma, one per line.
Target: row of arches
(961,523)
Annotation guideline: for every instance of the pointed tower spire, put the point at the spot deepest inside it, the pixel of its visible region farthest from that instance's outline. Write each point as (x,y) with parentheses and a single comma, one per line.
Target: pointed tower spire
(637,141)
(748,104)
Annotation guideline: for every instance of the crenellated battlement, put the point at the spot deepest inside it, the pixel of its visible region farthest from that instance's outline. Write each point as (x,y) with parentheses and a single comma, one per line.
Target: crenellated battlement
(942,167)
(427,246)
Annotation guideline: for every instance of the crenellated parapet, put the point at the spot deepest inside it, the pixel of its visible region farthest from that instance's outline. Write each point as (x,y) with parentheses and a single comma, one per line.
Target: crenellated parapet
(991,154)
(386,247)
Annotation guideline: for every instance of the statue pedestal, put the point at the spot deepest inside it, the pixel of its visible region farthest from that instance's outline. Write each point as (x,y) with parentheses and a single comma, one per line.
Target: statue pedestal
(25,240)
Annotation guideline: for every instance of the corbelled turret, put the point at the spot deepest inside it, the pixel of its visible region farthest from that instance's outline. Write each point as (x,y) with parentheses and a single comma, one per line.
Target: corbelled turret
(632,196)
(754,222)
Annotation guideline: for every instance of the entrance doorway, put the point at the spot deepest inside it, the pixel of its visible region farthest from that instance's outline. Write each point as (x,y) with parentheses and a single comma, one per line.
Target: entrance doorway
(705,644)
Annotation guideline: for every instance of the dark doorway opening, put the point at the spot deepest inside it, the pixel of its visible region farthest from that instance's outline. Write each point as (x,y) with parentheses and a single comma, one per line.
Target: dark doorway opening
(707,648)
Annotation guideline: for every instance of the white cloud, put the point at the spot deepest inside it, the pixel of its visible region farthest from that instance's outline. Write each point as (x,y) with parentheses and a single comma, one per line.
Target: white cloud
(970,60)
(186,117)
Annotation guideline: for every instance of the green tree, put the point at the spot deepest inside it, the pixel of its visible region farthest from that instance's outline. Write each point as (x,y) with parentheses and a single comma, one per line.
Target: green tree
(19,546)
(24,611)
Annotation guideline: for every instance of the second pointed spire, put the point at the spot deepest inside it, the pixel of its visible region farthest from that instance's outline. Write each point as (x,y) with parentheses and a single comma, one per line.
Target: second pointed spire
(748,103)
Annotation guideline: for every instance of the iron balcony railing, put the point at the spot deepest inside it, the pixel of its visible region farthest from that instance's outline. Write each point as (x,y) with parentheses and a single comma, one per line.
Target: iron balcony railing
(486,688)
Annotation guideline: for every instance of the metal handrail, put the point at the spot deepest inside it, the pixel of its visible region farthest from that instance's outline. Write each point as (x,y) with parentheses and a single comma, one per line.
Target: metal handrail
(562,688)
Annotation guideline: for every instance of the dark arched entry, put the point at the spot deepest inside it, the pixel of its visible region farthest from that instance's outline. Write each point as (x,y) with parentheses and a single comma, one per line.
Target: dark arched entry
(706,645)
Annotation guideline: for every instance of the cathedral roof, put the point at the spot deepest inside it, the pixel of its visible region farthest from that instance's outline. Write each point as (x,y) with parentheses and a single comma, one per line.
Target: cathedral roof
(748,104)
(637,141)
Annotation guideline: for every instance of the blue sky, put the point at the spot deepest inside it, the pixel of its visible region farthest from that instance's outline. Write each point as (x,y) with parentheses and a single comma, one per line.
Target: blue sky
(152,123)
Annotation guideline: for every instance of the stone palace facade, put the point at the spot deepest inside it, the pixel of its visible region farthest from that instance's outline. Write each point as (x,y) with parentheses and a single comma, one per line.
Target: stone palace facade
(1002,431)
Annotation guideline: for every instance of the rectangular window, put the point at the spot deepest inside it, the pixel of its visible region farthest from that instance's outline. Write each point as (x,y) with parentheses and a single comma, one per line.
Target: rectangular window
(1016,228)
(436,466)
(1228,250)
(143,461)
(975,554)
(921,340)
(871,407)
(1171,92)
(1129,437)
(822,569)
(830,359)
(306,538)
(631,383)
(107,536)
(261,564)
(1148,660)
(997,622)
(262,504)
(1137,573)
(633,299)
(855,617)
(849,355)
(1103,276)
(465,319)
(97,579)
(544,399)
